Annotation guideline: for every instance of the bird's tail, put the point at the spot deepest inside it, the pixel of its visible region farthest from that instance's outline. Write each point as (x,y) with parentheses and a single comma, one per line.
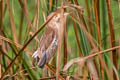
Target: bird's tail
(40,62)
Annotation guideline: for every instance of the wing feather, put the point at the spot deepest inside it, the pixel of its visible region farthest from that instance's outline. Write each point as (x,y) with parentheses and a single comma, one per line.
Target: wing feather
(46,40)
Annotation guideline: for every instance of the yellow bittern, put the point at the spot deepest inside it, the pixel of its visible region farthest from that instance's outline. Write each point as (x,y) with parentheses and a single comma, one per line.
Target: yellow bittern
(48,41)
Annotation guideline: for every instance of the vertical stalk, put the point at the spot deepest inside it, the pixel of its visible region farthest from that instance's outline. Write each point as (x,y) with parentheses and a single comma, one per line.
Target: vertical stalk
(65,38)
(112,36)
(1,25)
(77,37)
(13,28)
(96,9)
(89,17)
(50,4)
(65,43)
(21,27)
(61,30)
(38,6)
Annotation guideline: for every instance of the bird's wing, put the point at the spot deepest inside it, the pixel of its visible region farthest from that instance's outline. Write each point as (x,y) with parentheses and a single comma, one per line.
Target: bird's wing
(46,40)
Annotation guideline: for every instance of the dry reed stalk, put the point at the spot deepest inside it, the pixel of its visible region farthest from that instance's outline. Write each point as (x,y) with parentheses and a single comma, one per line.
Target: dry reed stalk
(38,6)
(21,27)
(29,24)
(96,9)
(50,4)
(1,25)
(65,42)
(27,14)
(34,27)
(65,38)
(1,14)
(85,73)
(61,31)
(112,36)
(89,17)
(12,21)
(77,37)
(111,58)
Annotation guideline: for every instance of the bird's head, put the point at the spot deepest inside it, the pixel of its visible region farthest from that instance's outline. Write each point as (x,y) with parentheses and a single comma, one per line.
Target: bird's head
(55,21)
(57,17)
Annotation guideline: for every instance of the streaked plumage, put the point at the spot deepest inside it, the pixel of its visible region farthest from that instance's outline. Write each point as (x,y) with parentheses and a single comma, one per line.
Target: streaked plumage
(48,42)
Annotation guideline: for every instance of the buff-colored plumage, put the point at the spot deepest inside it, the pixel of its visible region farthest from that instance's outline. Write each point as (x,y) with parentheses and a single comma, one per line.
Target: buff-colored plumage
(48,42)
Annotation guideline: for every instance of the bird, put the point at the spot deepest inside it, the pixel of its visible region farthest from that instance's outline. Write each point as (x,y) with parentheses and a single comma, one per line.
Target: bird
(49,41)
